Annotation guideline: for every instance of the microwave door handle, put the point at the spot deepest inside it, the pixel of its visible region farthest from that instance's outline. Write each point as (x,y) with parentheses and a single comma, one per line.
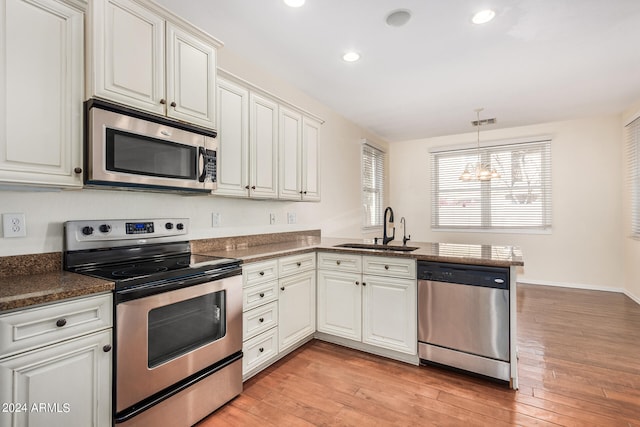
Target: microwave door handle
(202,164)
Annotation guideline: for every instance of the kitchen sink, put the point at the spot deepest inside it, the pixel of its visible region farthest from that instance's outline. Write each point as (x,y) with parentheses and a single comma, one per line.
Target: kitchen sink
(377,247)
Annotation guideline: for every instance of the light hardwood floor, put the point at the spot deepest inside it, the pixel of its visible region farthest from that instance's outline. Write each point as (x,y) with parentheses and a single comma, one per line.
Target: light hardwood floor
(579,366)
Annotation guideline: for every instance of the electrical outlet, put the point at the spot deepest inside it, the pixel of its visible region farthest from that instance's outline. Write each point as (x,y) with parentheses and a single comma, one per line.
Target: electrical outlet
(291,217)
(216,219)
(272,218)
(14,225)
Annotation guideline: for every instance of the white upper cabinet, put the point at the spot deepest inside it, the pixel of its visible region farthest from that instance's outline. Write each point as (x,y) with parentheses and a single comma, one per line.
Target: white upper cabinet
(290,154)
(41,92)
(268,150)
(233,139)
(128,55)
(191,78)
(299,145)
(248,142)
(310,160)
(140,58)
(263,157)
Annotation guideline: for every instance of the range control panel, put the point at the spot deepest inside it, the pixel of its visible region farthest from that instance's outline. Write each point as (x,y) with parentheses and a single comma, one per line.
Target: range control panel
(79,234)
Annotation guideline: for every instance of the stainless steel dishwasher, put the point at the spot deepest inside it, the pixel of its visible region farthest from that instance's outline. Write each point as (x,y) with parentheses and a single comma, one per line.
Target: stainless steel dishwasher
(463,317)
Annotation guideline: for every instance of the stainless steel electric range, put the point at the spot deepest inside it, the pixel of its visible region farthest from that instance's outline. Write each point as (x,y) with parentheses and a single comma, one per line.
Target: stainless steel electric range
(177,318)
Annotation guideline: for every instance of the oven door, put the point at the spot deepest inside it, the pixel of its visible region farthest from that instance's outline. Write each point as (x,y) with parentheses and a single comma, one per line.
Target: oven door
(164,338)
(130,152)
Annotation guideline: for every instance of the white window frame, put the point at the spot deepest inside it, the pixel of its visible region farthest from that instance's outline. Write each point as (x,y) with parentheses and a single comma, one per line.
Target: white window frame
(632,137)
(376,156)
(485,188)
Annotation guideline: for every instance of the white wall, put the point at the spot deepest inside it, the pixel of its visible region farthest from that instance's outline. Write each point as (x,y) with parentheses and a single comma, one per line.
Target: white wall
(631,246)
(338,214)
(584,247)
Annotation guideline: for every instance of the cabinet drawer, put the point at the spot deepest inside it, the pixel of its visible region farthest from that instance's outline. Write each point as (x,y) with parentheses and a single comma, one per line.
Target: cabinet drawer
(259,272)
(259,320)
(296,264)
(259,349)
(259,294)
(389,266)
(340,262)
(36,327)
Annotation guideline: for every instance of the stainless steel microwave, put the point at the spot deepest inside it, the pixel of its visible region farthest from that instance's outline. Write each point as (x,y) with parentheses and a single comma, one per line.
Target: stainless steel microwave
(129,149)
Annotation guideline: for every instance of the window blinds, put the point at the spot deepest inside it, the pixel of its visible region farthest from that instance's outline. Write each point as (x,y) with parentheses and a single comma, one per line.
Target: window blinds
(633,172)
(519,200)
(372,186)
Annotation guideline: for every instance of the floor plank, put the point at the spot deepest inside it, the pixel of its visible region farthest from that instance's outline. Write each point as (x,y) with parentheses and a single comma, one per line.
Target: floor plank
(579,366)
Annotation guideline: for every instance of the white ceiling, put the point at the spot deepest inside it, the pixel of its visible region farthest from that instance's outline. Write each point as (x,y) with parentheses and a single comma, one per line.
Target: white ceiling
(537,61)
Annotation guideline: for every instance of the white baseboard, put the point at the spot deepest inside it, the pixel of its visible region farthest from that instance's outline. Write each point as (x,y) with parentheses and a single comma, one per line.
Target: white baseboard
(581,286)
(632,296)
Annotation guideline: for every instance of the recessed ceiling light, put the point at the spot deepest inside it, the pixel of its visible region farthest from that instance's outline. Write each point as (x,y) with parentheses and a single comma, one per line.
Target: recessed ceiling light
(483,16)
(351,56)
(294,3)
(398,18)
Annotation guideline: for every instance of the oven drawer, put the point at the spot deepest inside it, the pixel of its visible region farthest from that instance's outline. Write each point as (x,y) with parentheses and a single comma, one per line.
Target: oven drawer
(296,264)
(257,295)
(259,272)
(259,349)
(389,266)
(34,327)
(259,320)
(340,262)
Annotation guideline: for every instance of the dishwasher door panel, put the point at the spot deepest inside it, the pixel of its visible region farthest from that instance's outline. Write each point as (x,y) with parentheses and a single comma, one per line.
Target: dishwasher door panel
(472,319)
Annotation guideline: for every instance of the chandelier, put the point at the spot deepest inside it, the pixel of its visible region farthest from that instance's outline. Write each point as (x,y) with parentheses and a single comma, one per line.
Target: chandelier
(479,171)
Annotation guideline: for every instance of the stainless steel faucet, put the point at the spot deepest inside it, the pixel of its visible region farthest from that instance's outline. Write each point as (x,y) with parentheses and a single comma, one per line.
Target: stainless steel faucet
(405,239)
(386,238)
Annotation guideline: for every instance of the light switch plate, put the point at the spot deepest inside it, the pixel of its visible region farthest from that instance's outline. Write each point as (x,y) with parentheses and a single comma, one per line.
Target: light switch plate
(14,225)
(272,218)
(291,217)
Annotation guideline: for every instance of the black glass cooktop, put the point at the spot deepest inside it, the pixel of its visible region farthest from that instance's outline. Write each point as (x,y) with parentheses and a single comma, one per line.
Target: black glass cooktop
(166,268)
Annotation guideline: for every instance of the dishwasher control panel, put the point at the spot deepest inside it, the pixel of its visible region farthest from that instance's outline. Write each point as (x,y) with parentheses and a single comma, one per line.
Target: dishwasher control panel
(464,274)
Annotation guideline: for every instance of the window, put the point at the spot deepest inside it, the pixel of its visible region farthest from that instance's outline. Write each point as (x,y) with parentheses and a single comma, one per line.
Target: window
(520,199)
(633,156)
(372,186)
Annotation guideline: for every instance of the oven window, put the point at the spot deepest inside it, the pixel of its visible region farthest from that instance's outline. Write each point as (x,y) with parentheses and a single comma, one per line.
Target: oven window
(179,328)
(141,155)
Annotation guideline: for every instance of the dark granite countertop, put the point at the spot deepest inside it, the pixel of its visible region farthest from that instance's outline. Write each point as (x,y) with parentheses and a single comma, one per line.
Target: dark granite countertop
(28,280)
(491,255)
(33,289)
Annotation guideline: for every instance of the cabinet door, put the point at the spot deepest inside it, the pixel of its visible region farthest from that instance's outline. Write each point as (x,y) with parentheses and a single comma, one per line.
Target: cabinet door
(128,55)
(233,139)
(340,304)
(290,154)
(67,384)
(310,166)
(263,132)
(41,75)
(297,314)
(191,78)
(390,313)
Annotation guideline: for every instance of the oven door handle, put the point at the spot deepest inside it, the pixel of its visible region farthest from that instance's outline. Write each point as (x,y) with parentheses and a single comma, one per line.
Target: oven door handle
(157,287)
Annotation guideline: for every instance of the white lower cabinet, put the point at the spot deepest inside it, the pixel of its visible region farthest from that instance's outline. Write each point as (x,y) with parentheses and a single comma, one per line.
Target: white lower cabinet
(64,382)
(67,384)
(297,314)
(340,304)
(389,313)
(377,309)
(278,310)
